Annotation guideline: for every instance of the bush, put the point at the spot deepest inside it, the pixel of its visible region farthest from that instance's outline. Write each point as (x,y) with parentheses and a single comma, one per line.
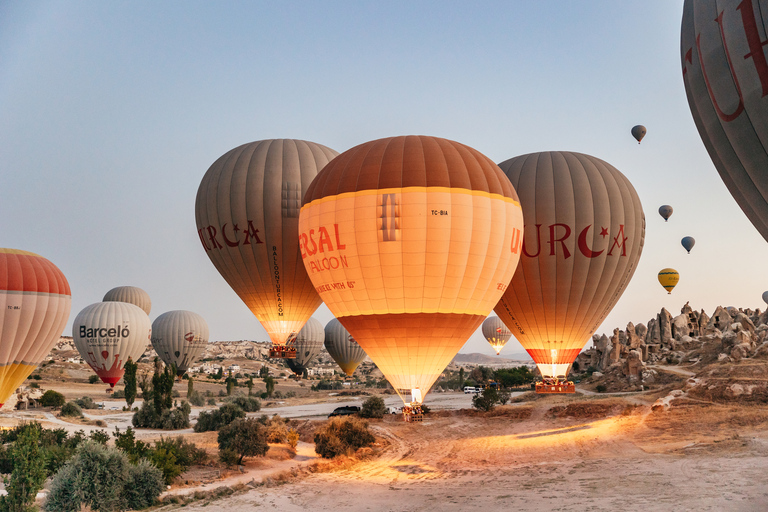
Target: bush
(601,388)
(86,403)
(103,479)
(487,400)
(247,403)
(228,457)
(373,408)
(342,436)
(93,379)
(169,419)
(196,398)
(126,441)
(71,409)
(293,438)
(215,420)
(277,432)
(211,401)
(28,474)
(246,437)
(36,376)
(118,393)
(52,398)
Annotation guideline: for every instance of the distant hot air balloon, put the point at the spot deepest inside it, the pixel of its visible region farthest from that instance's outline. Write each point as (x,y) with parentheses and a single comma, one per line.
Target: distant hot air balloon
(342,347)
(496,333)
(665,211)
(765,297)
(688,242)
(309,341)
(410,241)
(668,278)
(179,337)
(131,295)
(247,212)
(726,82)
(108,333)
(584,234)
(34,309)
(638,132)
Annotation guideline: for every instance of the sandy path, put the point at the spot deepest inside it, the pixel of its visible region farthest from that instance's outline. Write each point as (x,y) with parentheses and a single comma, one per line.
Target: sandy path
(464,463)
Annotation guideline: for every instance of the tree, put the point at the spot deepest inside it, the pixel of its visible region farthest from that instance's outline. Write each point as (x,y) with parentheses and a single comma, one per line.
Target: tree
(214,420)
(461,377)
(93,379)
(28,460)
(487,400)
(270,383)
(263,371)
(373,408)
(129,378)
(342,435)
(52,398)
(250,385)
(219,374)
(246,437)
(162,386)
(190,386)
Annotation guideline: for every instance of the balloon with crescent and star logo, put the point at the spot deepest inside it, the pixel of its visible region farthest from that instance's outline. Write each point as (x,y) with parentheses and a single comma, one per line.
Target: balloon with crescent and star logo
(179,338)
(496,333)
(584,233)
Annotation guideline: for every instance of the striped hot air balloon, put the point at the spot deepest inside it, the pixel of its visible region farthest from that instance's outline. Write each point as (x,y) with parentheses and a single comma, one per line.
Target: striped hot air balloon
(668,278)
(308,344)
(34,309)
(410,242)
(247,213)
(107,334)
(179,337)
(130,294)
(342,347)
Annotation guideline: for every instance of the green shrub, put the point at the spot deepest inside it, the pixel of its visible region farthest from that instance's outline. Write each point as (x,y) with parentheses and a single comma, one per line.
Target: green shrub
(100,436)
(93,379)
(36,376)
(34,385)
(247,403)
(246,437)
(215,420)
(103,479)
(86,403)
(341,436)
(601,388)
(486,400)
(27,458)
(118,393)
(126,441)
(373,408)
(52,398)
(168,419)
(211,401)
(228,456)
(71,409)
(196,398)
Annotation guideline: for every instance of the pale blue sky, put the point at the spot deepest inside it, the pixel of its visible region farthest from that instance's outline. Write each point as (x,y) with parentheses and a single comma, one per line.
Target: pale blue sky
(111,112)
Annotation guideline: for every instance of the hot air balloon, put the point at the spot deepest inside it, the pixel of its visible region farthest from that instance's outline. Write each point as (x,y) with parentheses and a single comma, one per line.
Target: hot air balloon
(410,241)
(342,347)
(765,297)
(108,333)
(131,295)
(584,234)
(668,278)
(726,81)
(638,132)
(34,309)
(665,211)
(309,341)
(496,333)
(247,213)
(688,242)
(179,337)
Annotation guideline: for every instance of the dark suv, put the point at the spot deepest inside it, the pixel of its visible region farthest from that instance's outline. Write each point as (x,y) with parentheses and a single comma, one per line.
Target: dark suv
(344,410)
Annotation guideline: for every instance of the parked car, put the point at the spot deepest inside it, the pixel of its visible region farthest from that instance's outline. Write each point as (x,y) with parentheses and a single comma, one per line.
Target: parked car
(344,410)
(470,389)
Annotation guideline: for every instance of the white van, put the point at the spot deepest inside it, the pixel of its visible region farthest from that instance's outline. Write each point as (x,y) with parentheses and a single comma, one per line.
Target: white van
(469,389)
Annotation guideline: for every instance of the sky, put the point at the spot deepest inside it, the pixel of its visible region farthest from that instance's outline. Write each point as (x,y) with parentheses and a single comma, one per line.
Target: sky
(111,113)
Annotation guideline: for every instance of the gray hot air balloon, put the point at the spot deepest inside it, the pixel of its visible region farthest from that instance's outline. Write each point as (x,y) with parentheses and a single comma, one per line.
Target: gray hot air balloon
(496,333)
(131,295)
(765,297)
(308,343)
(688,242)
(638,132)
(247,213)
(343,348)
(179,337)
(665,211)
(108,333)
(726,82)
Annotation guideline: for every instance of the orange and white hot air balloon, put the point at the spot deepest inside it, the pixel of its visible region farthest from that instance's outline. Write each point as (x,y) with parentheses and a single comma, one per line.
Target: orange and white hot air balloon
(584,233)
(107,334)
(496,333)
(410,242)
(34,309)
(247,213)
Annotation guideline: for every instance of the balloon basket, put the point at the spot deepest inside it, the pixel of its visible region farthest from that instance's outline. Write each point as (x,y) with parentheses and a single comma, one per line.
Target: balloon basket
(110,390)
(412,413)
(282,352)
(555,387)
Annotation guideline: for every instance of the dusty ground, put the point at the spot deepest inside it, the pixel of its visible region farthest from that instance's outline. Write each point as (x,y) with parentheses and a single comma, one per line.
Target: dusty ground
(582,454)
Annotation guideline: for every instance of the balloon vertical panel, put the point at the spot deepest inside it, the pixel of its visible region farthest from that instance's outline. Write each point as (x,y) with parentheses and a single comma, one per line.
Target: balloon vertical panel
(342,347)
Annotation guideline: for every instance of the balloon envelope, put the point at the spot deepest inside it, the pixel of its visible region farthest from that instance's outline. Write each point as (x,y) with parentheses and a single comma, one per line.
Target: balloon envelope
(410,241)
(179,337)
(726,82)
(309,341)
(108,333)
(638,132)
(765,297)
(665,211)
(342,347)
(247,213)
(35,300)
(584,234)
(130,294)
(688,242)
(668,278)
(496,333)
